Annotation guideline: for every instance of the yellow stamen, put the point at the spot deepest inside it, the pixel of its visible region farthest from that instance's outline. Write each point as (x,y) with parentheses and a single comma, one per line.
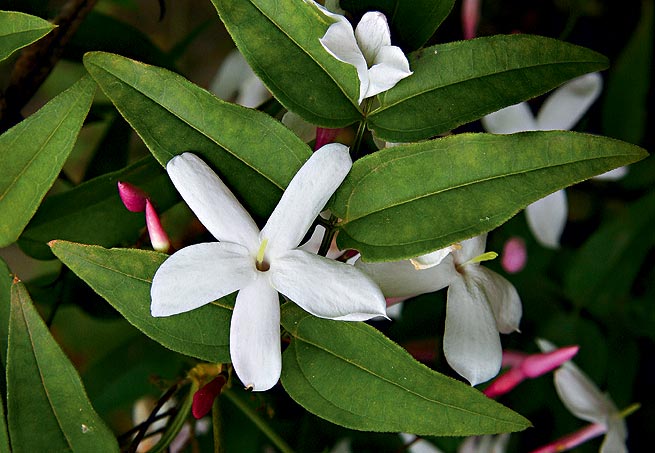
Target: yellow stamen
(259,262)
(629,410)
(488,256)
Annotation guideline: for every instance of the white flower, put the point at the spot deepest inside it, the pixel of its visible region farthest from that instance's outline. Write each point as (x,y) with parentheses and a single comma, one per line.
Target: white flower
(368,48)
(261,264)
(235,80)
(560,111)
(480,303)
(584,400)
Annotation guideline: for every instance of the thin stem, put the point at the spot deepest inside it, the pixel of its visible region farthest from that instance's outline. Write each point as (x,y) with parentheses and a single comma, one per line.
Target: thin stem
(258,421)
(330,231)
(217,426)
(142,432)
(366,106)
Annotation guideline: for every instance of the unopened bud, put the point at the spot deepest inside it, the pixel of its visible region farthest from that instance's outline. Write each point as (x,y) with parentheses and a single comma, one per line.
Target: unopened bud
(133,198)
(158,237)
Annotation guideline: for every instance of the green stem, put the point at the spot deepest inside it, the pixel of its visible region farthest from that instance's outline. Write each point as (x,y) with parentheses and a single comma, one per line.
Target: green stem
(330,231)
(366,106)
(258,421)
(217,425)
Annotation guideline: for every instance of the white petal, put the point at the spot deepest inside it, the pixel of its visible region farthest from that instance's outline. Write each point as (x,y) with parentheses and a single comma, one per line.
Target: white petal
(515,118)
(432,259)
(581,396)
(213,203)
(502,297)
(402,279)
(326,288)
(252,92)
(199,274)
(615,437)
(306,131)
(547,218)
(372,34)
(305,197)
(471,342)
(391,66)
(612,175)
(470,248)
(231,74)
(339,41)
(255,335)
(564,108)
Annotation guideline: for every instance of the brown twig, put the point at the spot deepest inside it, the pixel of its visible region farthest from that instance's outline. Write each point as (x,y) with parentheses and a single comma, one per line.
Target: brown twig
(36,61)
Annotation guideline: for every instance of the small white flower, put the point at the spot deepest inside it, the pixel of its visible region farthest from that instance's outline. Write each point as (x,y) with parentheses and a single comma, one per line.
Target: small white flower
(480,303)
(368,48)
(235,80)
(261,264)
(560,111)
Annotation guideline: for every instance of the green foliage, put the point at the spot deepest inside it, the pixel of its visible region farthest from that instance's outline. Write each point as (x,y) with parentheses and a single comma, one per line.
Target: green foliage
(47,408)
(123,278)
(33,153)
(351,374)
(18,30)
(407,200)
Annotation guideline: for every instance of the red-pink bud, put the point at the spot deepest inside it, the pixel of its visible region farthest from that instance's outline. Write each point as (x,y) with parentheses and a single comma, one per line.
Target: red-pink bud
(513,358)
(504,383)
(470,18)
(538,364)
(573,440)
(204,398)
(158,237)
(514,256)
(325,136)
(133,198)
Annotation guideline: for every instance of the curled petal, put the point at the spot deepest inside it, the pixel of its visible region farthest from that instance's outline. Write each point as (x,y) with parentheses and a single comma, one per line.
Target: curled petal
(372,34)
(199,274)
(432,259)
(501,296)
(471,343)
(327,288)
(547,218)
(212,202)
(567,104)
(581,396)
(305,197)
(255,335)
(390,67)
(515,118)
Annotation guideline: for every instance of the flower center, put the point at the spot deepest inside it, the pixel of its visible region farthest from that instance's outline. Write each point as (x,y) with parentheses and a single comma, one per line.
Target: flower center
(260,263)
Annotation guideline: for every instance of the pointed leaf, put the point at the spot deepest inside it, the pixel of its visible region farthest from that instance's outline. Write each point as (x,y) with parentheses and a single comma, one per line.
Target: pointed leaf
(18,30)
(47,407)
(34,151)
(405,201)
(280,41)
(412,22)
(123,277)
(352,375)
(255,155)
(459,82)
(93,212)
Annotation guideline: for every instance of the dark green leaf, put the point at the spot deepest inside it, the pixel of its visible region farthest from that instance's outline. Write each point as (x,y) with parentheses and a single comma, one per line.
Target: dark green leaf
(280,41)
(412,22)
(459,82)
(5,304)
(18,30)
(33,153)
(352,375)
(94,213)
(407,200)
(123,278)
(47,407)
(254,154)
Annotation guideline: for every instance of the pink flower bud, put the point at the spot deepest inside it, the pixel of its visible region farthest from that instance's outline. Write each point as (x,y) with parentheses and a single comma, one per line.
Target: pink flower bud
(158,237)
(504,383)
(204,398)
(325,136)
(573,440)
(515,255)
(470,18)
(538,364)
(133,198)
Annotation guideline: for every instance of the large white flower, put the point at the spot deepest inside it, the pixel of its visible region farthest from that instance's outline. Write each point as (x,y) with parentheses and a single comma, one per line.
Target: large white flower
(560,111)
(261,264)
(368,48)
(480,303)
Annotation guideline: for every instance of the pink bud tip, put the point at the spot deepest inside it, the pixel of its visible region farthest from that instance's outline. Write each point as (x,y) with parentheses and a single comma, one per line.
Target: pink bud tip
(204,398)
(395,300)
(573,440)
(513,358)
(504,383)
(158,237)
(133,198)
(325,136)
(470,18)
(515,255)
(538,364)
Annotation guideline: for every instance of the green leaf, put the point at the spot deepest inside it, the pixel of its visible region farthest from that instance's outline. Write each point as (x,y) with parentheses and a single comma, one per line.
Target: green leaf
(352,375)
(123,278)
(253,153)
(5,304)
(407,200)
(604,269)
(18,30)
(280,41)
(412,22)
(462,81)
(33,153)
(94,213)
(47,407)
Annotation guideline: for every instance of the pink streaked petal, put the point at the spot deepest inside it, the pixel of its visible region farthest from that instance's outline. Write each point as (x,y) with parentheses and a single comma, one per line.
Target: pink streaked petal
(573,440)
(538,364)
(504,383)
(133,198)
(158,237)
(470,17)
(514,256)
